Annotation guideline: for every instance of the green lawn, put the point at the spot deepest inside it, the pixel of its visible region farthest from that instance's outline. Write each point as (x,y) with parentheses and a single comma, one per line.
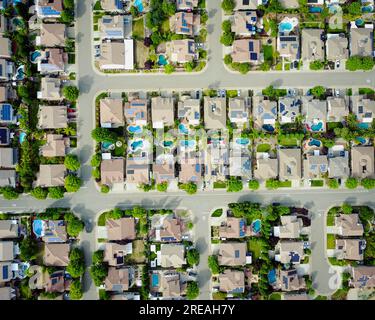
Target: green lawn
(317,183)
(288,142)
(268,53)
(333,261)
(217,213)
(138,28)
(275,296)
(71,58)
(330,218)
(332,125)
(285,184)
(254,245)
(165,27)
(102,219)
(331,241)
(366,91)
(263,147)
(220,185)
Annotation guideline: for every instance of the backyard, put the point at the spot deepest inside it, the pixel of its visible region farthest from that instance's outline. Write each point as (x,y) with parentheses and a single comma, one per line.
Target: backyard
(138,29)
(141,54)
(254,245)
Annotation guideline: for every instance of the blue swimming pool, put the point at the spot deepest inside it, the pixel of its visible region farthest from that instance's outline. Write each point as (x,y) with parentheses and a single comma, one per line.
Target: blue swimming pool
(367,9)
(139,5)
(20,73)
(268,128)
(162,60)
(22,137)
(168,144)
(106,145)
(317,127)
(363,125)
(359,22)
(34,56)
(361,140)
(314,142)
(183,128)
(136,145)
(187,143)
(315,9)
(38,228)
(154,280)
(243,141)
(135,129)
(285,26)
(271,276)
(256,225)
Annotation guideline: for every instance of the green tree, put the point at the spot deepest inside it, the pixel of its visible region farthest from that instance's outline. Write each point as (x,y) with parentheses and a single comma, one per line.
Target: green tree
(318,92)
(96,173)
(104,188)
(75,292)
(39,193)
(169,69)
(346,208)
(98,257)
(355,8)
(9,193)
(227,38)
(234,185)
(162,187)
(192,257)
(228,59)
(72,183)
(71,93)
(272,184)
(56,192)
(98,273)
(103,135)
(253,184)
(316,65)
(134,11)
(228,5)
(333,184)
(76,266)
(69,4)
(28,249)
(213,264)
(368,183)
(74,224)
(190,187)
(192,290)
(67,16)
(71,162)
(96,160)
(351,183)
(226,26)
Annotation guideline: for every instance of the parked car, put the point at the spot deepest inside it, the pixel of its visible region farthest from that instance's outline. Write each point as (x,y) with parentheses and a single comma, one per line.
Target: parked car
(223,93)
(337,64)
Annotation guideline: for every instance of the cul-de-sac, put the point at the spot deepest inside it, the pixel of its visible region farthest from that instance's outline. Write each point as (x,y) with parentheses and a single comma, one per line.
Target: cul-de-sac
(187,150)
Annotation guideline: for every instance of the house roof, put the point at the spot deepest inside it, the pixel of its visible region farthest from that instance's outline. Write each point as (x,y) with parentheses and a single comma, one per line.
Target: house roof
(8,157)
(53,117)
(5,47)
(337,47)
(51,175)
(266,169)
(186,4)
(290,228)
(52,60)
(290,281)
(112,5)
(288,46)
(338,167)
(162,110)
(115,253)
(232,254)
(5,293)
(112,171)
(189,109)
(215,113)
(238,111)
(55,146)
(338,109)
(349,225)
(169,284)
(57,282)
(244,22)
(312,44)
(54,231)
(314,166)
(137,172)
(56,254)
(290,163)
(6,250)
(247,4)
(264,110)
(117,55)
(50,89)
(232,281)
(181,51)
(117,279)
(112,27)
(111,112)
(136,110)
(233,228)
(184,23)
(171,229)
(8,229)
(289,109)
(289,4)
(361,42)
(363,108)
(172,255)
(314,109)
(190,171)
(246,50)
(363,277)
(291,251)
(121,229)
(363,162)
(52,34)
(8,178)
(163,172)
(350,249)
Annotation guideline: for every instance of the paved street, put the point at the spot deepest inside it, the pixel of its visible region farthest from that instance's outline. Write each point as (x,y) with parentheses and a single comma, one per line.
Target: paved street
(88,201)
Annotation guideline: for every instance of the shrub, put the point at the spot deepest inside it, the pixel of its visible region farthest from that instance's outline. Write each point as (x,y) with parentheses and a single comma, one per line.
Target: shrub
(98,273)
(71,93)
(333,184)
(76,266)
(9,193)
(190,187)
(28,249)
(71,162)
(192,290)
(318,92)
(56,192)
(72,183)
(346,208)
(351,183)
(253,184)
(162,187)
(39,193)
(97,257)
(316,65)
(228,59)
(75,292)
(192,257)
(272,184)
(226,26)
(103,134)
(104,188)
(169,69)
(228,5)
(213,264)
(227,38)
(368,183)
(234,185)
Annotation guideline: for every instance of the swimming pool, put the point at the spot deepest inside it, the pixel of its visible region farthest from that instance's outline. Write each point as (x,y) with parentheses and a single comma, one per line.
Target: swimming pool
(285,27)
(187,143)
(106,145)
(162,60)
(243,141)
(20,73)
(38,228)
(314,142)
(135,129)
(183,129)
(315,9)
(139,5)
(34,56)
(271,276)
(359,22)
(361,140)
(168,144)
(363,125)
(256,225)
(155,280)
(136,145)
(317,126)
(367,9)
(22,137)
(268,127)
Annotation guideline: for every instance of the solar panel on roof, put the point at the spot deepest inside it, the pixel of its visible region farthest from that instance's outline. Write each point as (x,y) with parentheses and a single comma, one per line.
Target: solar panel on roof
(253,56)
(6,112)
(251,46)
(237,253)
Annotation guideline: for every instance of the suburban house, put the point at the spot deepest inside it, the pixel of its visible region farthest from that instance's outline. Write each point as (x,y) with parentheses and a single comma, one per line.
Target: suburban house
(114,253)
(289,280)
(288,46)
(4,136)
(315,165)
(289,252)
(8,157)
(350,249)
(312,45)
(240,165)
(7,113)
(7,293)
(51,175)
(9,229)
(266,167)
(137,173)
(338,109)
(216,162)
(164,169)
(56,146)
(52,117)
(290,163)
(264,113)
(112,171)
(111,113)
(289,4)
(362,41)
(191,170)
(6,69)
(8,178)
(315,113)
(290,228)
(247,51)
(50,89)
(52,231)
(115,27)
(56,254)
(112,5)
(52,60)
(363,277)
(238,111)
(247,4)
(336,47)
(136,112)
(186,4)
(233,254)
(364,109)
(186,23)
(245,23)
(349,225)
(5,48)
(215,113)
(121,229)
(4,24)
(181,51)
(234,228)
(119,280)
(289,109)
(7,251)
(49,8)
(167,283)
(362,162)
(162,112)
(232,281)
(57,282)
(338,162)
(52,35)
(189,111)
(117,55)
(166,228)
(172,255)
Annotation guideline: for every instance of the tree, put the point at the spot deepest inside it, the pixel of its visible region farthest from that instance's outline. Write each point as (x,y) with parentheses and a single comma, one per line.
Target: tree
(39,193)
(234,185)
(226,26)
(213,264)
(56,192)
(368,183)
(169,69)
(333,184)
(190,187)
(69,4)
(76,266)
(74,224)
(162,187)
(104,188)
(72,183)
(75,292)
(351,183)
(272,184)
(355,8)
(96,173)
(103,135)
(228,59)
(71,93)
(253,184)
(192,257)
(346,208)
(9,193)
(98,273)
(192,290)
(227,38)
(28,249)
(71,162)
(316,65)
(67,16)
(228,5)
(189,66)
(98,257)
(134,11)
(318,92)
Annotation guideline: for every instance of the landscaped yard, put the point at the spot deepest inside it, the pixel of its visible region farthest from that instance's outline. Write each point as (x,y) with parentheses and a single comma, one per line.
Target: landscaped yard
(331,218)
(102,219)
(331,241)
(217,213)
(141,54)
(268,53)
(317,183)
(220,185)
(138,255)
(263,147)
(288,142)
(285,184)
(138,29)
(254,245)
(275,296)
